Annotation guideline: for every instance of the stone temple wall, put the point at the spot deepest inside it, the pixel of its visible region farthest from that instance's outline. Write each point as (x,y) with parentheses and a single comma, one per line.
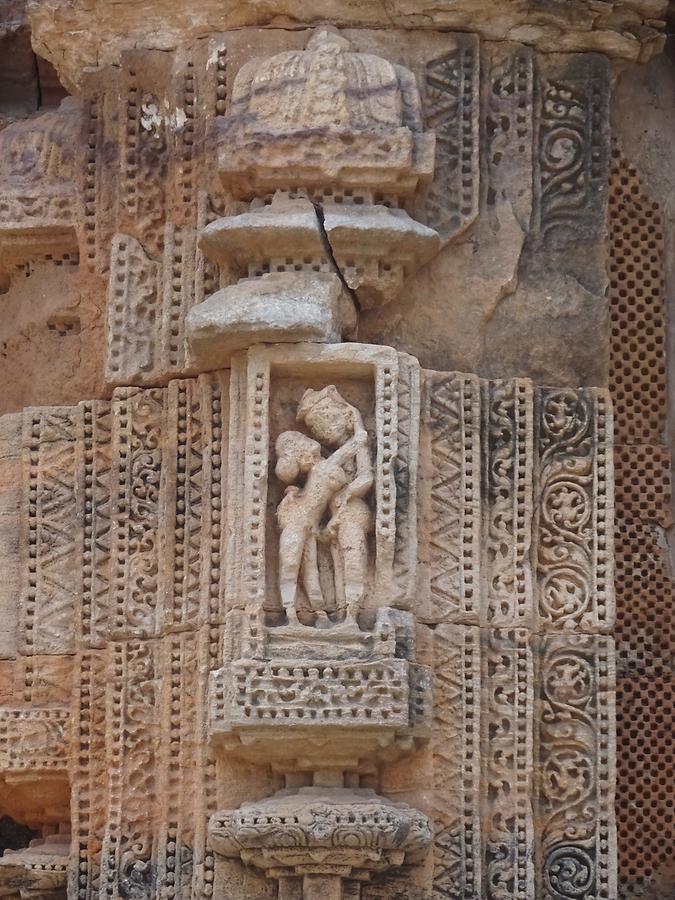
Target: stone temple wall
(335,468)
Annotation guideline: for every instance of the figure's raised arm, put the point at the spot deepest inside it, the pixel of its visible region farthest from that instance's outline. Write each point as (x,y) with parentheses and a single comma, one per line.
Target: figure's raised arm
(365,476)
(349,449)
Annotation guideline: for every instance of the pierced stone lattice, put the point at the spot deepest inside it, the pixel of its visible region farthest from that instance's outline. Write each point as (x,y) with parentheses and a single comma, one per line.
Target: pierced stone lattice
(644,586)
(637,311)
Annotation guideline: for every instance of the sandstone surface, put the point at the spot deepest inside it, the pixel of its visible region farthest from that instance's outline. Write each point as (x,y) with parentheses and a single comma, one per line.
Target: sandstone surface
(334,468)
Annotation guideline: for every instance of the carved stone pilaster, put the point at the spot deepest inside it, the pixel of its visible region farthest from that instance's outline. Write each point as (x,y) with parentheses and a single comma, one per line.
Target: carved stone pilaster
(320,679)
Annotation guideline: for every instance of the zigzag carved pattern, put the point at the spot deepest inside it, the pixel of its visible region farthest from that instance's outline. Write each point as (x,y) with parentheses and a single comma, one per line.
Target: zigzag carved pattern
(447,456)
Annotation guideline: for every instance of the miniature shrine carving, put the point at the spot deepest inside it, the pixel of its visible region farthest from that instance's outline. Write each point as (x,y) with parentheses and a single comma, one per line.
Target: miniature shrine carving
(323,143)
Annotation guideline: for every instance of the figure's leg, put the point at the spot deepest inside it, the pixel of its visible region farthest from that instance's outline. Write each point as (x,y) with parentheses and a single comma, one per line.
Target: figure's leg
(338,576)
(354,546)
(310,577)
(291,546)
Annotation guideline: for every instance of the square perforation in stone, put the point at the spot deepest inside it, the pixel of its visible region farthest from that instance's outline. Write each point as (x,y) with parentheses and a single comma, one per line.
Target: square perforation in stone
(645,631)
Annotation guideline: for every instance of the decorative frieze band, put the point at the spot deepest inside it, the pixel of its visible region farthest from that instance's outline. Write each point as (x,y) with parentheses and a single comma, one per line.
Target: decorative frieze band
(574,510)
(456,814)
(144,778)
(508,502)
(571,147)
(516,490)
(51,530)
(507,683)
(451,498)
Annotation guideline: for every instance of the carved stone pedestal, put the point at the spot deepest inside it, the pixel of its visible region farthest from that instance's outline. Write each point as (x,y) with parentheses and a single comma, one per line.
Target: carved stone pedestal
(333,703)
(337,698)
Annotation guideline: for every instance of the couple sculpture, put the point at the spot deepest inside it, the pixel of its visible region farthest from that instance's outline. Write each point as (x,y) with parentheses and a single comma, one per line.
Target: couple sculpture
(324,504)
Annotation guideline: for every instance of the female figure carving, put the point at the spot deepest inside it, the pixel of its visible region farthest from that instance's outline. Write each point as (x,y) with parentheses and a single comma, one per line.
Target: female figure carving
(333,486)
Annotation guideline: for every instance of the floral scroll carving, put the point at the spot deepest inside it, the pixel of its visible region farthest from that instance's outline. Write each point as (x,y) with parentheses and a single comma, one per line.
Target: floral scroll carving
(138,467)
(574,515)
(576,706)
(508,676)
(565,508)
(572,152)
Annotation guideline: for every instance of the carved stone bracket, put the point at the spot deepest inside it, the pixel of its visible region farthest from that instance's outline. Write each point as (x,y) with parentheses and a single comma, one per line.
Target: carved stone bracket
(468,123)
(334,833)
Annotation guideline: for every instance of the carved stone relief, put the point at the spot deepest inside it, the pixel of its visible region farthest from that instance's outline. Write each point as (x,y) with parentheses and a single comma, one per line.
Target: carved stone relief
(337,626)
(519,145)
(40,870)
(39,209)
(339,702)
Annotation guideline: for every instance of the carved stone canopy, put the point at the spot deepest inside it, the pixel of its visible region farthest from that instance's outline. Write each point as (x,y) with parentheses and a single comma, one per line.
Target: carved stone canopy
(325,117)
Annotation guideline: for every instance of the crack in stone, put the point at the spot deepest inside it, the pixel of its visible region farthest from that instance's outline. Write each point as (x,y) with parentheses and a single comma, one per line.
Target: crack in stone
(328,250)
